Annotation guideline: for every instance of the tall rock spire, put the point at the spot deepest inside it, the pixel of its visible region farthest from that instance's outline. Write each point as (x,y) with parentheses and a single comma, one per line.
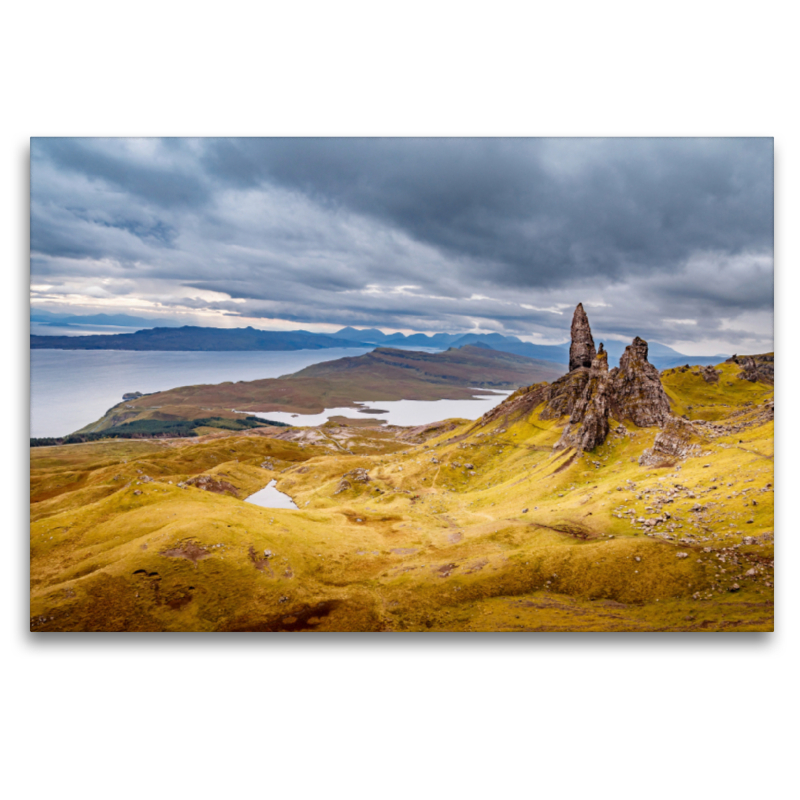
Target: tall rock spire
(581,349)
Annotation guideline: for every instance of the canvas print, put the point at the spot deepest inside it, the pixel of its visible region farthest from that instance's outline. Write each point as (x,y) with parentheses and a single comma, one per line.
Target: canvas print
(401,385)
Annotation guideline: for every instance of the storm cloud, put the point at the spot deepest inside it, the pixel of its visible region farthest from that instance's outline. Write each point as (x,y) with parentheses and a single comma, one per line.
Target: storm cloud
(670,239)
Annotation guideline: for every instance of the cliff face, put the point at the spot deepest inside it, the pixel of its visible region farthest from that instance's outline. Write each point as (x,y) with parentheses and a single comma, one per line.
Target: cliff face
(590,393)
(581,349)
(638,395)
(588,422)
(756,368)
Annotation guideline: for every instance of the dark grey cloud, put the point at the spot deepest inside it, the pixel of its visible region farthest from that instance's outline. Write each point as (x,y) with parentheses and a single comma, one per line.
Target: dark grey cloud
(540,211)
(666,238)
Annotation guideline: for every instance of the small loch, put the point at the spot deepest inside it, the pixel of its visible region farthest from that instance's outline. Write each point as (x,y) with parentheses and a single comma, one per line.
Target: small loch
(270,497)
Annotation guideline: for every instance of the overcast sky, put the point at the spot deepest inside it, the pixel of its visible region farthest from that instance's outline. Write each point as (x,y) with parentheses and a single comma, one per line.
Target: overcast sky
(668,239)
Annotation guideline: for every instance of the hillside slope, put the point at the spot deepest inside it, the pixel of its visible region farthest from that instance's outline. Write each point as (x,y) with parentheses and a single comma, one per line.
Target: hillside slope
(461,526)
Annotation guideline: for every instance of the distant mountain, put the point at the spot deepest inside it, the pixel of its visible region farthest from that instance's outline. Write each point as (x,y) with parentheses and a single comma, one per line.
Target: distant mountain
(558,353)
(198,338)
(374,336)
(443,340)
(370,335)
(190,338)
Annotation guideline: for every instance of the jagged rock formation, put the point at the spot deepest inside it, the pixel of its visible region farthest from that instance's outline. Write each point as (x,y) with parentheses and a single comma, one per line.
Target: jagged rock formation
(589,394)
(756,368)
(588,423)
(638,395)
(581,349)
(676,441)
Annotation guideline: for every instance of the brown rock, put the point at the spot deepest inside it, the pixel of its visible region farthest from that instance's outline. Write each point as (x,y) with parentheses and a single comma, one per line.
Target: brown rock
(588,423)
(677,440)
(637,393)
(209,484)
(756,368)
(581,349)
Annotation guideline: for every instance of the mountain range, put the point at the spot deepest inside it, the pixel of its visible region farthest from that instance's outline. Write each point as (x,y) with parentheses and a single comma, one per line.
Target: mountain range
(194,338)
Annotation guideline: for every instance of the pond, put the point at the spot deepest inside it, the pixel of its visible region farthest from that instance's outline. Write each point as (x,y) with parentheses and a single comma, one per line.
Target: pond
(270,497)
(396,412)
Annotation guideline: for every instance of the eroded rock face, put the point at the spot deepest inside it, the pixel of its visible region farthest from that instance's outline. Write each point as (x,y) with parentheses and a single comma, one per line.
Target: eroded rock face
(756,368)
(209,484)
(581,349)
(674,443)
(637,393)
(588,424)
(563,395)
(590,394)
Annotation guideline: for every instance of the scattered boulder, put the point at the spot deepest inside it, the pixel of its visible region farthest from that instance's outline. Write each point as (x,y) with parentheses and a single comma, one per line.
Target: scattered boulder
(357,475)
(210,484)
(756,368)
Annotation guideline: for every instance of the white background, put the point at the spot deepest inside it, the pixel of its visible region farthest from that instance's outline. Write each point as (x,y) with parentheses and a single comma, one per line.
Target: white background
(622,716)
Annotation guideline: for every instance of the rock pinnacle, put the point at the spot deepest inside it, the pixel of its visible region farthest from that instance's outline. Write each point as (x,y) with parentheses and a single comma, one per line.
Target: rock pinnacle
(581,349)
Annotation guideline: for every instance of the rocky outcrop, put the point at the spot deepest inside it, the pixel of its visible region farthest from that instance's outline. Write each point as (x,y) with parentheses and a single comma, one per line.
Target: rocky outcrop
(756,368)
(562,396)
(588,423)
(209,484)
(676,441)
(581,349)
(590,394)
(637,393)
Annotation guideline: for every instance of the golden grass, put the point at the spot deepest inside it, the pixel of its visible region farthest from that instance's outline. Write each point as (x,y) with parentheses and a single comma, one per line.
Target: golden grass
(524,539)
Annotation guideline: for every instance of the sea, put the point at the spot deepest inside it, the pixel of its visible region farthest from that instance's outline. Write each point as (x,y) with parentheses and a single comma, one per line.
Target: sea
(72,388)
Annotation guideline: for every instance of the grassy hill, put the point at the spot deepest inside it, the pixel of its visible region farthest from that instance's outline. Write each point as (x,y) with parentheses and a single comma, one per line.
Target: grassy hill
(456,526)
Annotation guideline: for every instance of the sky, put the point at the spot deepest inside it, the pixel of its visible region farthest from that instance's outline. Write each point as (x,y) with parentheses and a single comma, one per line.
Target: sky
(667,239)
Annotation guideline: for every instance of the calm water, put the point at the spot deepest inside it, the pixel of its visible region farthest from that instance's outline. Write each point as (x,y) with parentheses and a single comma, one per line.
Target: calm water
(71,388)
(399,412)
(270,497)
